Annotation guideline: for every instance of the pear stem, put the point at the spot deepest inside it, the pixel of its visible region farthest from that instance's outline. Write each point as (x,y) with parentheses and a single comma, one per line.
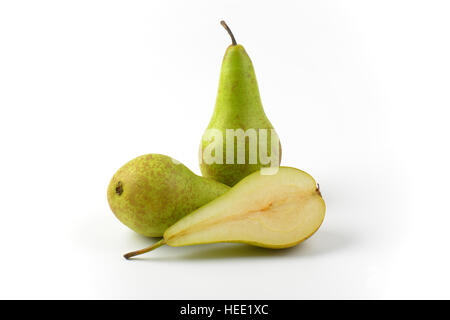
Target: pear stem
(145,250)
(233,40)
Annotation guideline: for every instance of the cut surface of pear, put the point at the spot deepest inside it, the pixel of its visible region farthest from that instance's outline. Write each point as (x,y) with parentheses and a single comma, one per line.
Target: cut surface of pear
(272,211)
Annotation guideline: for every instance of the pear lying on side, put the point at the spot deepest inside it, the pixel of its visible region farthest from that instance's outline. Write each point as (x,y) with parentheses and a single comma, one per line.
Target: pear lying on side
(273,211)
(152,192)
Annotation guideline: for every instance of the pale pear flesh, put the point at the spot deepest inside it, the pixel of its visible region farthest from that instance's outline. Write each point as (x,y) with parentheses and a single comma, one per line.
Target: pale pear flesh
(274,211)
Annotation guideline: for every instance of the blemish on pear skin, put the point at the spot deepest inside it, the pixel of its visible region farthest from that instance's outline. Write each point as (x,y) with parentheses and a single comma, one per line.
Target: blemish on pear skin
(119,188)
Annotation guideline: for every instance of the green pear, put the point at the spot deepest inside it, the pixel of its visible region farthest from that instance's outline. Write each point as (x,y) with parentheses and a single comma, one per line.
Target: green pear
(272,211)
(152,192)
(239,139)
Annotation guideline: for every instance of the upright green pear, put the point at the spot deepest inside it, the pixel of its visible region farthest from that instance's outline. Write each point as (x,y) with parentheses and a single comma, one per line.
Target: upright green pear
(152,192)
(239,139)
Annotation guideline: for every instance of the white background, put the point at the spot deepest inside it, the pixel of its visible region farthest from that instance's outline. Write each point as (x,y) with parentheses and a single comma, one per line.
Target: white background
(359,92)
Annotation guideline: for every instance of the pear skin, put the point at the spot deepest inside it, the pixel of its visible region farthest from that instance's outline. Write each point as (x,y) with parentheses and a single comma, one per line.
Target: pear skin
(272,211)
(152,192)
(239,139)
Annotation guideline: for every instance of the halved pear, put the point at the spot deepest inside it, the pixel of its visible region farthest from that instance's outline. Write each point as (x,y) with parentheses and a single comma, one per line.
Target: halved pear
(272,211)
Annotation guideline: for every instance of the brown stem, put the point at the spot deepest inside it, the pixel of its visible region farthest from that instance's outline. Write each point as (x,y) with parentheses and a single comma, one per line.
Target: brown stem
(145,250)
(233,40)
(318,190)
